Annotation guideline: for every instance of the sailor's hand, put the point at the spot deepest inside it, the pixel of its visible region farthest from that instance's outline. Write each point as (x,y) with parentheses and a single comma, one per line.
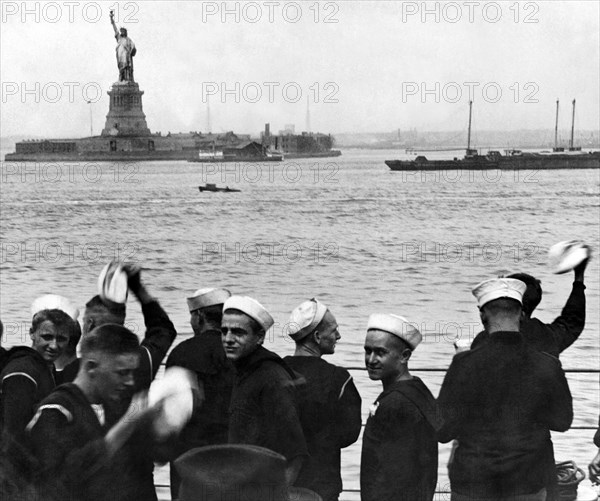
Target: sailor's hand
(134,280)
(594,469)
(580,268)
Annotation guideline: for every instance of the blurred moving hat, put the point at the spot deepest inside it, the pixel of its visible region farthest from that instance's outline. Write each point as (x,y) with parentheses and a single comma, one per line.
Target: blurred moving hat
(174,394)
(207,297)
(305,318)
(252,308)
(54,302)
(232,473)
(567,255)
(396,325)
(497,288)
(112,283)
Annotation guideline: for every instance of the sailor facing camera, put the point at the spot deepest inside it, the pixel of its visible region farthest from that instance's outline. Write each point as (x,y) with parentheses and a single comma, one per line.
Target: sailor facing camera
(263,408)
(400,451)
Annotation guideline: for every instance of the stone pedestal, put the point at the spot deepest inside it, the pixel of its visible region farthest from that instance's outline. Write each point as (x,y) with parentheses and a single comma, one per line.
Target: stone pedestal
(125,114)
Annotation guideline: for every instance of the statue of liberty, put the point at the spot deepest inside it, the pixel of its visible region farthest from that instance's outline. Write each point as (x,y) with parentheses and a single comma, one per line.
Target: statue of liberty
(125,51)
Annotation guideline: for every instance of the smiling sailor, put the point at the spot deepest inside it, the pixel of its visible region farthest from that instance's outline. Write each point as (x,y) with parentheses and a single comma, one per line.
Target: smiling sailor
(263,408)
(400,453)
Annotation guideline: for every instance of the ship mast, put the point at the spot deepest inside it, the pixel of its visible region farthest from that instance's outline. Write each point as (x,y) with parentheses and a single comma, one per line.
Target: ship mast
(556,129)
(469,133)
(572,127)
(470,152)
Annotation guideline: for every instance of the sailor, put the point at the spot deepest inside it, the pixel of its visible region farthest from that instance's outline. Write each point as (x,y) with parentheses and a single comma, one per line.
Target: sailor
(50,301)
(400,452)
(500,401)
(552,338)
(109,307)
(557,336)
(28,373)
(330,404)
(263,409)
(68,432)
(204,355)
(137,457)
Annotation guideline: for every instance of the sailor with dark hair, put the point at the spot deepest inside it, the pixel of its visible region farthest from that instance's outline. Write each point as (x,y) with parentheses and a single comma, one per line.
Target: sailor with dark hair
(500,400)
(204,355)
(557,336)
(263,408)
(399,451)
(329,403)
(68,432)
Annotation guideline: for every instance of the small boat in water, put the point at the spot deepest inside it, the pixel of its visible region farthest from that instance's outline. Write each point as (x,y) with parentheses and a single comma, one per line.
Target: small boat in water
(213,188)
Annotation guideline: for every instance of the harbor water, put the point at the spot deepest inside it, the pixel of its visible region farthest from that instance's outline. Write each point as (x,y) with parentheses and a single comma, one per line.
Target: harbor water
(347,230)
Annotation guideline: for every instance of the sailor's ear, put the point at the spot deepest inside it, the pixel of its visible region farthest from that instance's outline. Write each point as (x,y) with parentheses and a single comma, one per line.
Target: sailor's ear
(90,366)
(316,337)
(482,315)
(406,354)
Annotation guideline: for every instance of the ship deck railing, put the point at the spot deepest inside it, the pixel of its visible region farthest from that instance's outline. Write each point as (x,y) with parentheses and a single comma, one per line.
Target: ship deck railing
(443,492)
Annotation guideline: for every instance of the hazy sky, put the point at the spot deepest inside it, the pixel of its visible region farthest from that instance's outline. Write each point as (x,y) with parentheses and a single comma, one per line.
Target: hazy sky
(358,65)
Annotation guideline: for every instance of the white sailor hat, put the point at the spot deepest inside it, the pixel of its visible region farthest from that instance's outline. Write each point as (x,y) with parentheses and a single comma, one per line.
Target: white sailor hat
(305,318)
(396,325)
(252,308)
(207,297)
(497,288)
(54,302)
(112,283)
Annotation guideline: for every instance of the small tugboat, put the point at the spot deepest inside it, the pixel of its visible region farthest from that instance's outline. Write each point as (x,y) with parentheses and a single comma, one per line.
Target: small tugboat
(213,187)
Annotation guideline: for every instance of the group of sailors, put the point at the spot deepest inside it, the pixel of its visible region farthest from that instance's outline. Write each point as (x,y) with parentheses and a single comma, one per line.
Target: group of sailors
(76,425)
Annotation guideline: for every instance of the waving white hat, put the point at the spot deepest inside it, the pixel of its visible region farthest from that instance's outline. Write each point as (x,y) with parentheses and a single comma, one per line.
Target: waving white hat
(112,283)
(565,256)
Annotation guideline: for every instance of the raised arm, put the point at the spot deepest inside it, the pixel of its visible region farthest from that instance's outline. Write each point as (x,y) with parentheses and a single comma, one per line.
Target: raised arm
(112,21)
(160,332)
(569,325)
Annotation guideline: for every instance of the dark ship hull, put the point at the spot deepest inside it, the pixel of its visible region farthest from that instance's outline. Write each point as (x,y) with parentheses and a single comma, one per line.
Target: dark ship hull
(524,161)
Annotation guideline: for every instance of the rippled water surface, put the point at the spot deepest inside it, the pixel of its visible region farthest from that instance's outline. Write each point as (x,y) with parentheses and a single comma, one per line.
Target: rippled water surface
(349,231)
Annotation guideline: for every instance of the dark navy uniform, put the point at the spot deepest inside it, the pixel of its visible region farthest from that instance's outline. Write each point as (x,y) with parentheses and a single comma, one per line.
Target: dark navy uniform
(263,409)
(68,441)
(400,451)
(204,355)
(500,401)
(330,416)
(25,380)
